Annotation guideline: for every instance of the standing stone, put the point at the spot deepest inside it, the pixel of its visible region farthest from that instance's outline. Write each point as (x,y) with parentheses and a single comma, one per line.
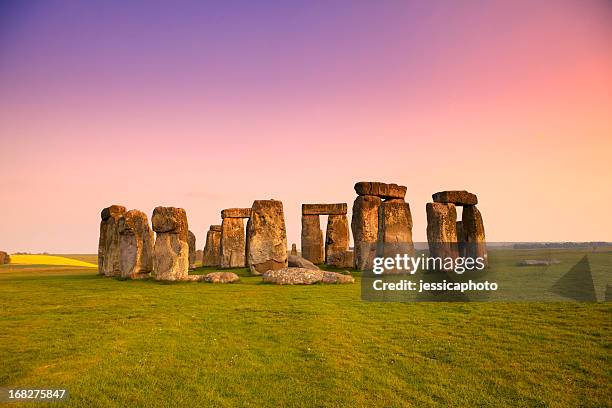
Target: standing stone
(336,236)
(294,249)
(191,240)
(108,244)
(267,237)
(474,233)
(394,228)
(135,245)
(365,230)
(246,249)
(171,250)
(232,243)
(4,258)
(312,239)
(460,238)
(442,230)
(212,249)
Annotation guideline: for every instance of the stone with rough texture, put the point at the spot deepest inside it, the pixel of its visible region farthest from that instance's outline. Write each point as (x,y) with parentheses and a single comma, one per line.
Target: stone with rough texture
(344,259)
(394,229)
(191,241)
(293,276)
(233,245)
(312,239)
(4,258)
(135,245)
(442,230)
(212,250)
(267,237)
(460,239)
(457,197)
(171,250)
(336,236)
(382,190)
(108,243)
(294,249)
(335,277)
(296,261)
(199,255)
(236,213)
(365,230)
(473,233)
(324,209)
(221,277)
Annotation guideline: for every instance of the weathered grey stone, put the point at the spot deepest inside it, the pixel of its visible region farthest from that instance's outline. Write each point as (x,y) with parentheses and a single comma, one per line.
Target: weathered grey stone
(442,230)
(171,250)
(221,277)
(336,237)
(236,213)
(312,239)
(460,239)
(108,243)
(294,249)
(394,229)
(246,244)
(4,258)
(382,190)
(267,237)
(296,261)
(365,230)
(233,244)
(457,197)
(293,276)
(474,233)
(324,209)
(335,277)
(343,259)
(191,240)
(212,249)
(135,245)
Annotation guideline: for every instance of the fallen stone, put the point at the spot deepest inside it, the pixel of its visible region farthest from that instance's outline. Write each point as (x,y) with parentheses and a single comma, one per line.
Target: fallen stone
(221,277)
(293,276)
(233,245)
(236,213)
(296,261)
(191,241)
(324,209)
(267,237)
(335,277)
(135,245)
(312,239)
(212,250)
(336,236)
(343,259)
(365,230)
(382,190)
(538,262)
(457,197)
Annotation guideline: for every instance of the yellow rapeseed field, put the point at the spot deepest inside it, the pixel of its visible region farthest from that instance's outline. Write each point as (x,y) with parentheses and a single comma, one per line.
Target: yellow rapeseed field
(48,260)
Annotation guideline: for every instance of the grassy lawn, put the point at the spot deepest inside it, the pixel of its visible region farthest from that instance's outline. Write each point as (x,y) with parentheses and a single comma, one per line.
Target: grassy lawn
(143,343)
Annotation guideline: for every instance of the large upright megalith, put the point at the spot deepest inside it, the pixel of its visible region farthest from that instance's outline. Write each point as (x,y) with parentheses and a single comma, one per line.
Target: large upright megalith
(135,245)
(108,243)
(5,258)
(336,237)
(394,228)
(171,250)
(267,237)
(212,249)
(232,243)
(312,239)
(365,230)
(442,230)
(473,233)
(191,241)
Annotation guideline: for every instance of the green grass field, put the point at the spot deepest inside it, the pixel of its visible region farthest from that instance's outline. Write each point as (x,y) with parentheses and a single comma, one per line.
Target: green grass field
(143,343)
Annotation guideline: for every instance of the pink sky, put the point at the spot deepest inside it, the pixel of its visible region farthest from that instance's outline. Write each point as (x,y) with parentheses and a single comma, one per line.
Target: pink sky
(211,108)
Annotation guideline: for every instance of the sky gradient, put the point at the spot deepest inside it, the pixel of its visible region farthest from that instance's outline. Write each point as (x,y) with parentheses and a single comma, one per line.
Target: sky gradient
(207,106)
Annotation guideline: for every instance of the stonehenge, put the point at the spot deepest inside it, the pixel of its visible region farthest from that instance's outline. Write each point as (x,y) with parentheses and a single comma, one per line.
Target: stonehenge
(4,258)
(135,245)
(335,250)
(267,237)
(212,249)
(294,249)
(171,250)
(448,237)
(108,243)
(233,240)
(191,241)
(381,223)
